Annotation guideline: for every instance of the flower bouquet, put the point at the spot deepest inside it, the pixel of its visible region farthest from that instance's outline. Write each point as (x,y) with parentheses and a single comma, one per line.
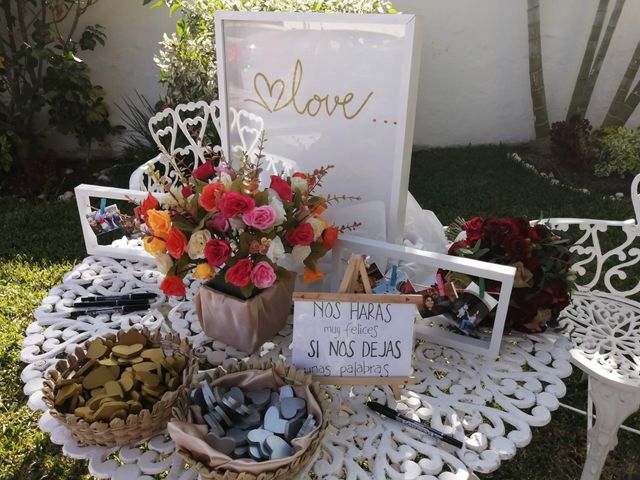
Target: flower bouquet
(540,255)
(220,224)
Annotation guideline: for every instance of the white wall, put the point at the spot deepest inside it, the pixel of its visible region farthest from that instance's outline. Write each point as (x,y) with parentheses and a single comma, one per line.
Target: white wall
(474,82)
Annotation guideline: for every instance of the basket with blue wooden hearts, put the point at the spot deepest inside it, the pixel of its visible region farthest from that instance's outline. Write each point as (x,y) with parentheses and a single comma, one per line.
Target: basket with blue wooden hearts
(258,419)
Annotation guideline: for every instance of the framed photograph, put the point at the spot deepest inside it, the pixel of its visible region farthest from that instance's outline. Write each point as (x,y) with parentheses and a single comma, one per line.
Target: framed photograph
(109,223)
(332,89)
(445,317)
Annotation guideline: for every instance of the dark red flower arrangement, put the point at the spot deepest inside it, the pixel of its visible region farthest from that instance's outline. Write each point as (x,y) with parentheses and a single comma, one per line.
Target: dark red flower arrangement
(540,255)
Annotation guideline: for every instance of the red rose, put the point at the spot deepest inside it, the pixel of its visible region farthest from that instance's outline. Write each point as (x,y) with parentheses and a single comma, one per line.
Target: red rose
(303,235)
(517,248)
(240,274)
(204,172)
(176,243)
(473,226)
(217,252)
(149,203)
(559,293)
(234,204)
(173,285)
(521,224)
(187,191)
(539,233)
(532,264)
(330,237)
(456,245)
(210,196)
(542,299)
(282,188)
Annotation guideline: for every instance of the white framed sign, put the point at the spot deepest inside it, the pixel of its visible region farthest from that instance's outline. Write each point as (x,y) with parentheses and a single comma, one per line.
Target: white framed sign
(332,89)
(434,329)
(105,214)
(353,335)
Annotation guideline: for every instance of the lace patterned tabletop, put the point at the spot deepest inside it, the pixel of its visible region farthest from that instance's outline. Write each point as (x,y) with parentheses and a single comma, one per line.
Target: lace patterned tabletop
(490,405)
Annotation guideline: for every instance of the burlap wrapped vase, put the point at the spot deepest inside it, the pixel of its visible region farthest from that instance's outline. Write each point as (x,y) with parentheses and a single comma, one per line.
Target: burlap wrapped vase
(244,324)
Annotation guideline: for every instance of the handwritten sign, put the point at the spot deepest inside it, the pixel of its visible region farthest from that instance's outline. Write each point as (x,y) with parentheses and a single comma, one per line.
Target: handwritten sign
(336,89)
(353,335)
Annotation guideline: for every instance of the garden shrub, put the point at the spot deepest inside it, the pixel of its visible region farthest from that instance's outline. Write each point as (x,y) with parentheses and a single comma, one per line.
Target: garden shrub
(619,152)
(187,60)
(573,143)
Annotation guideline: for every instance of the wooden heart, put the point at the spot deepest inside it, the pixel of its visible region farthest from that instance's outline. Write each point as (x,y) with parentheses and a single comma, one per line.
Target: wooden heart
(273,422)
(224,445)
(290,406)
(278,448)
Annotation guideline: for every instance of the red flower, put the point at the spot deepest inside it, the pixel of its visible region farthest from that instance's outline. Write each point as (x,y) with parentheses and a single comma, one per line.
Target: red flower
(173,285)
(217,252)
(176,243)
(187,191)
(234,204)
(281,187)
(517,248)
(539,233)
(205,171)
(303,235)
(149,203)
(542,299)
(330,237)
(456,245)
(240,274)
(473,226)
(522,224)
(210,196)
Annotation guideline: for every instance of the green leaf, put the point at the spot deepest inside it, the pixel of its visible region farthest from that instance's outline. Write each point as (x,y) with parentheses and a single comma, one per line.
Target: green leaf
(247,290)
(174,7)
(182,223)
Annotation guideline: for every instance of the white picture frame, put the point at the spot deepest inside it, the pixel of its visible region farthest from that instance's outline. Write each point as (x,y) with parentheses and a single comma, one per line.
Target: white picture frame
(83,194)
(382,253)
(383,53)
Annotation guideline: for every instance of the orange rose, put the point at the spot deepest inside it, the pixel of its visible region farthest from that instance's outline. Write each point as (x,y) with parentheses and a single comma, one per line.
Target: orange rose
(211,196)
(176,243)
(149,203)
(159,222)
(330,237)
(173,285)
(154,245)
(310,276)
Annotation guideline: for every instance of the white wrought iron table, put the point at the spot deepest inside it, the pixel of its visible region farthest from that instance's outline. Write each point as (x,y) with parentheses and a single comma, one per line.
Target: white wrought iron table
(491,405)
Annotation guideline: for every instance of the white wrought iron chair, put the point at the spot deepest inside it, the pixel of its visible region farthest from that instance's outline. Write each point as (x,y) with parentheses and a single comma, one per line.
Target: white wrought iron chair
(603,322)
(186,129)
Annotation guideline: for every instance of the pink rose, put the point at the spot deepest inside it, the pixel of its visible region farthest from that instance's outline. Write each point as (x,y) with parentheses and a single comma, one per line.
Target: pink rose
(240,274)
(263,275)
(261,218)
(217,252)
(234,204)
(219,223)
(281,187)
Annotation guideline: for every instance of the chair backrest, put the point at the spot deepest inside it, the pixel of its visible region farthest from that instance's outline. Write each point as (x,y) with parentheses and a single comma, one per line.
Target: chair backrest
(607,251)
(188,129)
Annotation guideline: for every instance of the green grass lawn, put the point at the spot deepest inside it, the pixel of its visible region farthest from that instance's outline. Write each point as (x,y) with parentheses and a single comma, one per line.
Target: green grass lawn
(40,241)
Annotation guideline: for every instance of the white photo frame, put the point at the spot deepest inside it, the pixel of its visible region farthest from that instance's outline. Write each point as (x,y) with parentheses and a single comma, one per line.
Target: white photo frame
(83,194)
(382,253)
(358,75)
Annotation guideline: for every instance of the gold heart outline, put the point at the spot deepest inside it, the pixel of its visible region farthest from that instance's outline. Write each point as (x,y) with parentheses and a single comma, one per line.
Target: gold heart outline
(270,87)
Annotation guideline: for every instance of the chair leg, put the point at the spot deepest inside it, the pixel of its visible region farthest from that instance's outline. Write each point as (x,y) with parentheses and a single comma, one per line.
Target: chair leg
(613,406)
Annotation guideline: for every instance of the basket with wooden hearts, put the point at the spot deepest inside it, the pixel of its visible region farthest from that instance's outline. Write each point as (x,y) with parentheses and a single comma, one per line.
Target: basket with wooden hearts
(256,419)
(119,389)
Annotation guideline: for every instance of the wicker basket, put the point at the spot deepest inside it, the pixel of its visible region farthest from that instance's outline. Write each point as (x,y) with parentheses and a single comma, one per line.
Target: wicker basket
(135,428)
(291,376)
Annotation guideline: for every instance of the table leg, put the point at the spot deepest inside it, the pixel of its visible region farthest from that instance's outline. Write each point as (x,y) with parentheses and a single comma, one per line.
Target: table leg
(613,406)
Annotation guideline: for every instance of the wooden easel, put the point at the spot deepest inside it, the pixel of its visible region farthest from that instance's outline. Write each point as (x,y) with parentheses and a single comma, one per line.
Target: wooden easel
(356,269)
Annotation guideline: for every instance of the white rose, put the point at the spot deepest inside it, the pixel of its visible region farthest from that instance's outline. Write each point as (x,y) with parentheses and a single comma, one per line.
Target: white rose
(195,247)
(164,262)
(174,198)
(225,179)
(276,250)
(300,253)
(299,185)
(318,226)
(278,207)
